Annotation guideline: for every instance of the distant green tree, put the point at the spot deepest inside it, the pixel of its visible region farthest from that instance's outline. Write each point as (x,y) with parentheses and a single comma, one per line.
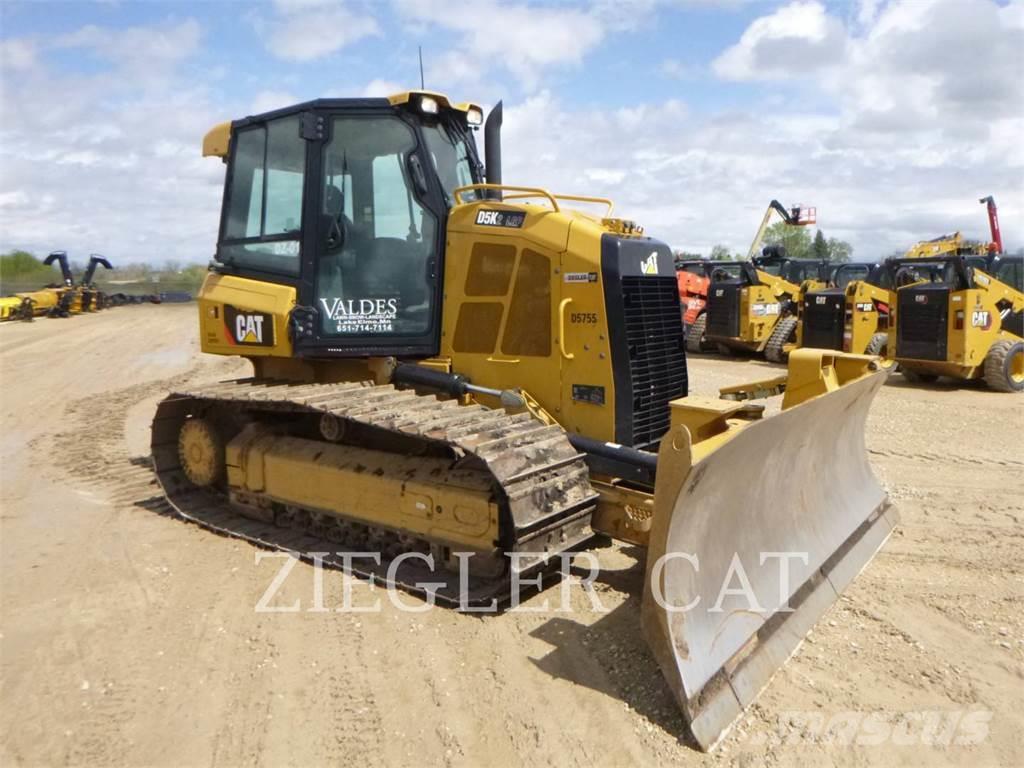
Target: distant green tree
(21,270)
(819,248)
(796,240)
(839,250)
(686,256)
(721,253)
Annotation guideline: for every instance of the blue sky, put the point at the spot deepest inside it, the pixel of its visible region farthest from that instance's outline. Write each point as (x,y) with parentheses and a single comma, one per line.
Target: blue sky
(891,117)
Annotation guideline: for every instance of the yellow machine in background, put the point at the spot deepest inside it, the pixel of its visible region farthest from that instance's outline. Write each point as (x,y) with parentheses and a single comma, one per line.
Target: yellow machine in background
(751,305)
(852,314)
(968,325)
(58,300)
(458,373)
(754,310)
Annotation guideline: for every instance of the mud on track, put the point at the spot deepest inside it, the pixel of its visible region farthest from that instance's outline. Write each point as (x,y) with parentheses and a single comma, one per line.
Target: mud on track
(129,637)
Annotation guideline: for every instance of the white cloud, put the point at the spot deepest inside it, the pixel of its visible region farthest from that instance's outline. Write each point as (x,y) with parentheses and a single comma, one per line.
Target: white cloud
(17,55)
(266,101)
(109,161)
(678,70)
(797,39)
(524,39)
(138,47)
(377,88)
(304,30)
(695,179)
(928,107)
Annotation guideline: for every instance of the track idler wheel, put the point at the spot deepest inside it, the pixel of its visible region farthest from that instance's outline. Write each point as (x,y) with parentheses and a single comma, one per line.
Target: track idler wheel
(201,452)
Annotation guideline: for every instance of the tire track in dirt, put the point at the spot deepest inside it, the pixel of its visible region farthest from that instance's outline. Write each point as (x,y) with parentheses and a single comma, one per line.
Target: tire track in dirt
(354,727)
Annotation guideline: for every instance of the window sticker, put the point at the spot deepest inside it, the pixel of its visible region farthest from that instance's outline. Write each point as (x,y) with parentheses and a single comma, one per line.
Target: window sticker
(371,315)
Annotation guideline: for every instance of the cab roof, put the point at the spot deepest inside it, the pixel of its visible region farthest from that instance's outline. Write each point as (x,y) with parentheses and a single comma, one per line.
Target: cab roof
(217,140)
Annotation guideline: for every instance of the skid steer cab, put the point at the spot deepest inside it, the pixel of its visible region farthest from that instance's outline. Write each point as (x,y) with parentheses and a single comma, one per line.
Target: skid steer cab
(960,321)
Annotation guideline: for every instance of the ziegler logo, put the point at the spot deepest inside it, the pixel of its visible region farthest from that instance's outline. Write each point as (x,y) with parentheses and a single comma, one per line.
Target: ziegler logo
(488,218)
(251,329)
(981,318)
(649,266)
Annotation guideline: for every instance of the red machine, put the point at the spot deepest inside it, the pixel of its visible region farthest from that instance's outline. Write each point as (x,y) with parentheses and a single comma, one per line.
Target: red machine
(996,246)
(692,278)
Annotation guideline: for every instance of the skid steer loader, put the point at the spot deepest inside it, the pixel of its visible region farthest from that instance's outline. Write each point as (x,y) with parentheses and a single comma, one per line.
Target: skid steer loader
(755,309)
(852,314)
(965,323)
(469,378)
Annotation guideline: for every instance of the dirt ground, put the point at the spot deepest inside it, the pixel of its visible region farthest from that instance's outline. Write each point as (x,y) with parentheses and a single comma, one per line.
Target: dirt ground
(131,638)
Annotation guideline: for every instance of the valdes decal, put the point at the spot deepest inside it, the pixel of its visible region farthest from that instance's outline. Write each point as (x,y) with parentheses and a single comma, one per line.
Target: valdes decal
(762,310)
(649,266)
(250,329)
(981,318)
(581,277)
(489,218)
(376,315)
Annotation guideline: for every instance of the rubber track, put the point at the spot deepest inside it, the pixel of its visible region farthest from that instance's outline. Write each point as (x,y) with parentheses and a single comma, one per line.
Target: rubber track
(540,479)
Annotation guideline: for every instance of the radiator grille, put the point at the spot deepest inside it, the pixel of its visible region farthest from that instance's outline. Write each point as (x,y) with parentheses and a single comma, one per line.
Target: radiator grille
(922,323)
(823,320)
(657,363)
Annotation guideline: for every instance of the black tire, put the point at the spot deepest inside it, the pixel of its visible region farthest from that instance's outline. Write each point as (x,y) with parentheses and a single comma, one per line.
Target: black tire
(879,345)
(695,341)
(917,377)
(1004,366)
(783,333)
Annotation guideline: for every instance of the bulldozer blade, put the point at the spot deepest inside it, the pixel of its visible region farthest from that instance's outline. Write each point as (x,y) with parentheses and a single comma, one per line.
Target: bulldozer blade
(752,543)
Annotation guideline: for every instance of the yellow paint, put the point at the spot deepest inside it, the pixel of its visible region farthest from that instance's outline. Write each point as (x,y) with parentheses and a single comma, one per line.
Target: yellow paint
(244,294)
(217,140)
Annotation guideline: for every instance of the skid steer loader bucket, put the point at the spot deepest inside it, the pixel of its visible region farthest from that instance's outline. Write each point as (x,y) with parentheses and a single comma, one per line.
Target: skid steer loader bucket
(755,535)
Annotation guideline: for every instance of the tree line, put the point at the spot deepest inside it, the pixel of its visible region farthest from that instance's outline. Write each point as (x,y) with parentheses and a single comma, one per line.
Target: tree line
(21,271)
(797,241)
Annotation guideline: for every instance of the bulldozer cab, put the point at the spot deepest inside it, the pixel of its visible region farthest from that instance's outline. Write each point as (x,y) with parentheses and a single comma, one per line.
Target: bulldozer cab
(346,200)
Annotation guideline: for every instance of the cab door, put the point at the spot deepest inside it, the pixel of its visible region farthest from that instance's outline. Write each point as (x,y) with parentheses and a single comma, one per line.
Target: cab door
(374,234)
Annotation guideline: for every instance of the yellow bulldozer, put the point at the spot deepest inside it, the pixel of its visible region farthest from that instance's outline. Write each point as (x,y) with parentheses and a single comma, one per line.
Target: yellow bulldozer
(964,323)
(468,379)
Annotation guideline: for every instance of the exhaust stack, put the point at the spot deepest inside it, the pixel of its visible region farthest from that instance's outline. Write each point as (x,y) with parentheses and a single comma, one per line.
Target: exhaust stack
(492,148)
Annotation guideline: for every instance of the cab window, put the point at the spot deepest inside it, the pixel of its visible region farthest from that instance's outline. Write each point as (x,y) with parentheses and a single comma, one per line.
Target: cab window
(263,206)
(452,160)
